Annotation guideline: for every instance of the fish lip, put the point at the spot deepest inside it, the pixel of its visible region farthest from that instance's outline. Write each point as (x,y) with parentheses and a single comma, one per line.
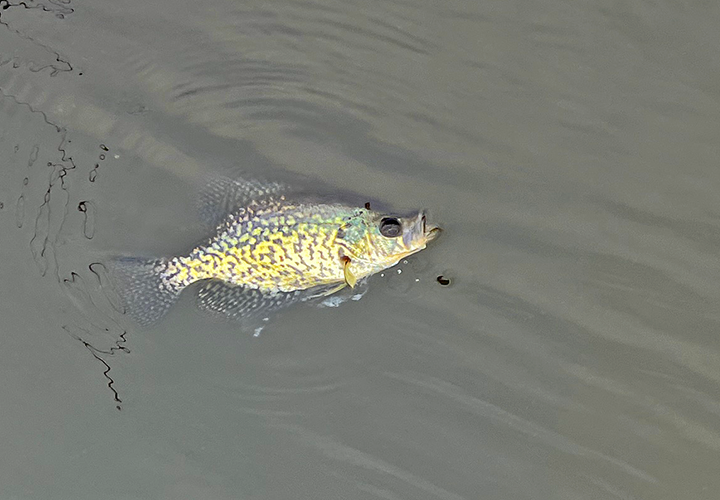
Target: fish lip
(433,233)
(419,232)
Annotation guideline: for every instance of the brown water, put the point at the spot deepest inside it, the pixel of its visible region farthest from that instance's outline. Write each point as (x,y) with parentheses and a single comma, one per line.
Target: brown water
(569,149)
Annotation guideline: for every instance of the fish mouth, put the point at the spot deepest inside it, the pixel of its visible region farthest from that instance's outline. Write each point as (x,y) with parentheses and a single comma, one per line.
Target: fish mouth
(418,233)
(431,232)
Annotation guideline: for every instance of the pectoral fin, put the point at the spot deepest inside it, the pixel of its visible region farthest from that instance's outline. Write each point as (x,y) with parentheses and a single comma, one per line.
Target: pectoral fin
(349,276)
(239,303)
(333,290)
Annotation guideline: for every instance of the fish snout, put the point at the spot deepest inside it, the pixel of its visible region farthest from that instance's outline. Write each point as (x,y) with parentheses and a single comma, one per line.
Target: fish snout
(417,232)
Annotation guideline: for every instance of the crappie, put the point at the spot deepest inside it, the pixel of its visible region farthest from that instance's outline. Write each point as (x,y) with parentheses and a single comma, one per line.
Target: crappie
(270,248)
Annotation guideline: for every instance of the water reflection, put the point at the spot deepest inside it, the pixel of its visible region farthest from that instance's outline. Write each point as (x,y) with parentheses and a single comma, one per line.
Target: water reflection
(569,151)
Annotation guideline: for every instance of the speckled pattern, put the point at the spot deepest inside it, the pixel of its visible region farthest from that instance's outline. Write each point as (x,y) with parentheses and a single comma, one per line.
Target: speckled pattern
(276,245)
(270,246)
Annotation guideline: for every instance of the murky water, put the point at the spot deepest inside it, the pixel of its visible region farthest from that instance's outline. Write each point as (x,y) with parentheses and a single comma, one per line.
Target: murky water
(569,149)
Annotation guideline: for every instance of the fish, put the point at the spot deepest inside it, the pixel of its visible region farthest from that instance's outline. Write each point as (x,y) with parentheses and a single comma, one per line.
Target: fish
(270,247)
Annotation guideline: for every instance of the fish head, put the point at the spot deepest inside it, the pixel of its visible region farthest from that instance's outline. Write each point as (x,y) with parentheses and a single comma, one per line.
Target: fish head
(376,241)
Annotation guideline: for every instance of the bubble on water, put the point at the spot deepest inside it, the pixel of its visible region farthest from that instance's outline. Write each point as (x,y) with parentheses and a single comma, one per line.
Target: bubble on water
(20,211)
(93,173)
(88,209)
(359,295)
(333,301)
(443,280)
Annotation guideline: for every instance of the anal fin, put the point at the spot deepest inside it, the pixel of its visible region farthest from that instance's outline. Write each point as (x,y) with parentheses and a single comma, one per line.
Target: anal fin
(253,307)
(240,303)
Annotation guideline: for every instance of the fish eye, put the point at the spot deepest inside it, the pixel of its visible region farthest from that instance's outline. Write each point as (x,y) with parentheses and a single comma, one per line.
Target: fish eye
(390,227)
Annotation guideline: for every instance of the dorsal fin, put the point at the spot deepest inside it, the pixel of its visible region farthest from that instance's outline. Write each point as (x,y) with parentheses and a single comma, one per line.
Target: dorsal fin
(222,196)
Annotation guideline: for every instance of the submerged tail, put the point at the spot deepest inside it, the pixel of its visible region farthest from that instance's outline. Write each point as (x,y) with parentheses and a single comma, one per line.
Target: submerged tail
(144,287)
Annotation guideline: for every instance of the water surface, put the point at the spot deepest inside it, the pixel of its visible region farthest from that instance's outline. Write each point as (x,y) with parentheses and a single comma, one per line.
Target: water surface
(568,149)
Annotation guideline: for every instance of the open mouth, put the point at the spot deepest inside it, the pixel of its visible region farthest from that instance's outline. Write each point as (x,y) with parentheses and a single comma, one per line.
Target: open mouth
(420,233)
(431,233)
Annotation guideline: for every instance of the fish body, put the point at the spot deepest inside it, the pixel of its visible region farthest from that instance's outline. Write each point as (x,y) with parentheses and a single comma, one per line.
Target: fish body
(270,251)
(273,247)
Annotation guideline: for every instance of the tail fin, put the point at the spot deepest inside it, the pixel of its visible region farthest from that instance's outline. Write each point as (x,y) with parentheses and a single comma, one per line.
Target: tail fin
(146,292)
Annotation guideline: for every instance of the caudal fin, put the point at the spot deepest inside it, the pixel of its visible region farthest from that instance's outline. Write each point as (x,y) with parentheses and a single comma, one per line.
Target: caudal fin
(144,288)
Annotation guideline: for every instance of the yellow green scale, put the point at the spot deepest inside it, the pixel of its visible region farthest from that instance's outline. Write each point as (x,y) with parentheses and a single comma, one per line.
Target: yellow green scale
(268,252)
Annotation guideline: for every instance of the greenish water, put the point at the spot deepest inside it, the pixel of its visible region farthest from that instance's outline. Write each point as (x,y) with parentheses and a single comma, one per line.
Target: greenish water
(568,149)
